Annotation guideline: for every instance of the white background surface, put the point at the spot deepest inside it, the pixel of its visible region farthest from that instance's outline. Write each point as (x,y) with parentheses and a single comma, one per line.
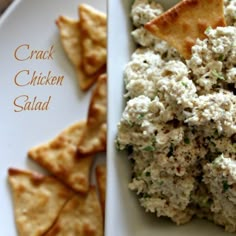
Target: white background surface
(124,216)
(33,22)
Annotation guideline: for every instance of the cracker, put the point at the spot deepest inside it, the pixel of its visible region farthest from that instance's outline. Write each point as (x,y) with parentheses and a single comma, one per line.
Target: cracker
(81,216)
(70,38)
(93,38)
(58,156)
(37,201)
(94,136)
(101,183)
(181,25)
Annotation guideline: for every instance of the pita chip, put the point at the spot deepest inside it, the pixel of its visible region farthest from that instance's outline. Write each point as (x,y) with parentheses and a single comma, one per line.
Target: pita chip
(59,157)
(101,182)
(94,136)
(93,38)
(81,216)
(87,81)
(37,201)
(70,38)
(181,25)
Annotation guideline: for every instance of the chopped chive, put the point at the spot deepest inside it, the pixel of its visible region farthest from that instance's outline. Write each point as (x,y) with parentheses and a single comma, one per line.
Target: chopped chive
(140,116)
(186,140)
(117,144)
(131,124)
(225,185)
(217,75)
(147,174)
(128,98)
(144,195)
(154,140)
(149,148)
(213,144)
(221,57)
(184,84)
(216,133)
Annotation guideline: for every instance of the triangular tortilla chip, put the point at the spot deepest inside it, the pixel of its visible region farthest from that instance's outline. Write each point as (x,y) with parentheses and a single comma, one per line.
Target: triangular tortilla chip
(101,183)
(181,25)
(94,136)
(93,38)
(58,156)
(70,38)
(81,216)
(37,201)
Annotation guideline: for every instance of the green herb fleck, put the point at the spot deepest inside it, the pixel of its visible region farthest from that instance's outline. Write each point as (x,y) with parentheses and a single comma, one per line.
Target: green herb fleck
(154,140)
(225,185)
(184,84)
(117,143)
(208,29)
(144,195)
(130,123)
(221,57)
(216,133)
(140,116)
(147,173)
(128,98)
(186,140)
(217,75)
(213,144)
(149,148)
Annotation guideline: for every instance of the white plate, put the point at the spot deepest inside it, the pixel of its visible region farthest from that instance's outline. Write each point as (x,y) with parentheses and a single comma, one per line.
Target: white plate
(124,215)
(32,22)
